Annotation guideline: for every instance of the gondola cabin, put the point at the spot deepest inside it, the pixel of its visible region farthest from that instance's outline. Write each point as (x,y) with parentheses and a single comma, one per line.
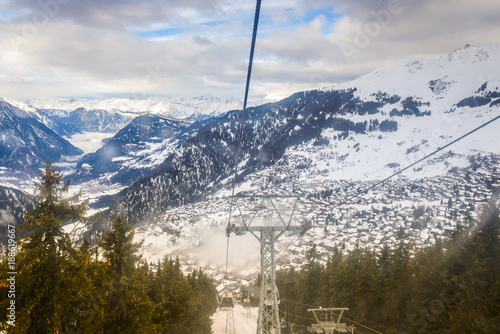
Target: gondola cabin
(227,301)
(246,303)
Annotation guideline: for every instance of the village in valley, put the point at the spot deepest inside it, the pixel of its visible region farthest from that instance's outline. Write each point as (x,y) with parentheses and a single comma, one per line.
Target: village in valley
(341,214)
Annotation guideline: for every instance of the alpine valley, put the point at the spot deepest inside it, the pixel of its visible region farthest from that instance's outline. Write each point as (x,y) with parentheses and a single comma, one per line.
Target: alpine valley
(167,166)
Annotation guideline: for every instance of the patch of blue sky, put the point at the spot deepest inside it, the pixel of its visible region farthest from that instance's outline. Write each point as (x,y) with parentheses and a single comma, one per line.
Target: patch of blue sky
(7,14)
(213,23)
(327,14)
(163,32)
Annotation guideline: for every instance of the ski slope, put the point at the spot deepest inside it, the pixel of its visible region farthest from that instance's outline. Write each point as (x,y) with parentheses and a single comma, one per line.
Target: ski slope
(242,324)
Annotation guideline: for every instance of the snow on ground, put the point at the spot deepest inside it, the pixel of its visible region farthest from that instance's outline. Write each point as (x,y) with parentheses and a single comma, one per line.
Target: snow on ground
(242,324)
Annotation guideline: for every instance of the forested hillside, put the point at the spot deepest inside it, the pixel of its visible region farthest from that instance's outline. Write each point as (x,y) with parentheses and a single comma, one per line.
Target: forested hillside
(49,286)
(450,287)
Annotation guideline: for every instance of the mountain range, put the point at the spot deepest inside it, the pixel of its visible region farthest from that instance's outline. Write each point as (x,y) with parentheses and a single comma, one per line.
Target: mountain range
(199,107)
(51,125)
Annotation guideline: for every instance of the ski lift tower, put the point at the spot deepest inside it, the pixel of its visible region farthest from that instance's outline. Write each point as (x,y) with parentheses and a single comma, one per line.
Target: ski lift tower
(275,222)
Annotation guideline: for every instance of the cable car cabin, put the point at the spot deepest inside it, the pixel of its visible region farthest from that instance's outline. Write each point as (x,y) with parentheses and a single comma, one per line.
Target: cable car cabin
(227,302)
(246,303)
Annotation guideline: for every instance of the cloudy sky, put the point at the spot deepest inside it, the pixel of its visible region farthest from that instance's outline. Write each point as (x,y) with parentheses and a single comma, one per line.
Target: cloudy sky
(174,48)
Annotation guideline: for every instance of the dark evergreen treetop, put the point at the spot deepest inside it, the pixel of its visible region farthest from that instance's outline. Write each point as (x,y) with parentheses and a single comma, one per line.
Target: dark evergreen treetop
(50,200)
(119,248)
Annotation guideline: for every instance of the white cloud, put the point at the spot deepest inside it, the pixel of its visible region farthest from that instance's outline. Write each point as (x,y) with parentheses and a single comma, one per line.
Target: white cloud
(102,48)
(6,218)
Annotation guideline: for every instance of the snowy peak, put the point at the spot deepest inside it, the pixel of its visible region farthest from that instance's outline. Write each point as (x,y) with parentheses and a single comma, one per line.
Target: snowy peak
(179,108)
(449,77)
(7,110)
(472,54)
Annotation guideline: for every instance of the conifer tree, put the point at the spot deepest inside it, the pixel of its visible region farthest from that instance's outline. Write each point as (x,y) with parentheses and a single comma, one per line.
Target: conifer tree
(203,303)
(45,258)
(127,306)
(366,288)
(477,296)
(310,280)
(399,281)
(171,297)
(87,293)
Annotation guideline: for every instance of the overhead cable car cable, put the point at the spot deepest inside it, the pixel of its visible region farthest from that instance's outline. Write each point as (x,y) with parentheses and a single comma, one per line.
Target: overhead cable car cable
(360,191)
(242,120)
(436,151)
(354,322)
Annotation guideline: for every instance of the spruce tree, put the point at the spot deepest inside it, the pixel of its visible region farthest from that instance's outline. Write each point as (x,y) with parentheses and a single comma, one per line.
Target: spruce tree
(45,258)
(175,299)
(88,293)
(127,308)
(476,298)
(203,303)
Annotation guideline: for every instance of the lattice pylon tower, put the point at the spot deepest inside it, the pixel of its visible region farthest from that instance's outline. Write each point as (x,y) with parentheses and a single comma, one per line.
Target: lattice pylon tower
(268,320)
(275,225)
(230,323)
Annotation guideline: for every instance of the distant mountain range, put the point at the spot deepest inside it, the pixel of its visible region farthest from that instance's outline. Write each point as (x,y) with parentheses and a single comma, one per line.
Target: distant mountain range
(200,107)
(33,130)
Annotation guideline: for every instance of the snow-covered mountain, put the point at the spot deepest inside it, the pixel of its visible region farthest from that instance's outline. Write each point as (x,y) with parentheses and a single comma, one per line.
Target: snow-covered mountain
(132,153)
(13,206)
(179,108)
(25,143)
(85,122)
(432,100)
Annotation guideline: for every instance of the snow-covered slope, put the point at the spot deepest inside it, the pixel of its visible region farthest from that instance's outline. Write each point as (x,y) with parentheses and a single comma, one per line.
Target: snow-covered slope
(13,205)
(444,80)
(459,91)
(134,152)
(25,143)
(244,324)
